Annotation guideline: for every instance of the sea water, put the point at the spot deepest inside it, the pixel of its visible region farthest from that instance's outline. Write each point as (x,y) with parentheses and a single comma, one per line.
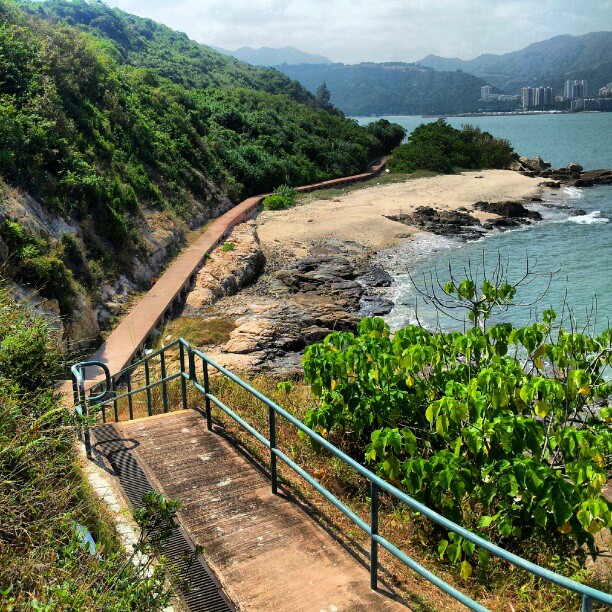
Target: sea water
(575,250)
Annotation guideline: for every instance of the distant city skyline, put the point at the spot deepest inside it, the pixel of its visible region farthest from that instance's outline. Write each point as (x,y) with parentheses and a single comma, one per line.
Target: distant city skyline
(360,30)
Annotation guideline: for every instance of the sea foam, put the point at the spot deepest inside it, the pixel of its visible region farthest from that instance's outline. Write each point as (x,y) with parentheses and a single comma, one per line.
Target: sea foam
(590,219)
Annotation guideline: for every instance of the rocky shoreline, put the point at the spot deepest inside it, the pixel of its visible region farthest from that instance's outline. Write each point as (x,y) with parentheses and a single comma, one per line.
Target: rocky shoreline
(280,299)
(279,305)
(573,175)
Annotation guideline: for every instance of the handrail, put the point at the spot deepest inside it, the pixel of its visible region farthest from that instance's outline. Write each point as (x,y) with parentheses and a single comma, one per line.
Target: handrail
(524,564)
(81,403)
(188,373)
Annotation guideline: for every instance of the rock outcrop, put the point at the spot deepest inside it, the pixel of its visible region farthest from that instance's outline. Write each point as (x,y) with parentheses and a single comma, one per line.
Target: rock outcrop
(573,174)
(509,209)
(441,222)
(160,233)
(227,271)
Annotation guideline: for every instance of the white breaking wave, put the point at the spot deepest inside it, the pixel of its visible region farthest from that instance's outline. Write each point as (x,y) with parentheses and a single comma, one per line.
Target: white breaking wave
(574,193)
(590,219)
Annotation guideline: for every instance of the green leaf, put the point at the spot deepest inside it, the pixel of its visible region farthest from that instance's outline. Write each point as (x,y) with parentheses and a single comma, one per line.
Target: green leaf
(483,557)
(429,413)
(442,546)
(442,424)
(540,516)
(485,521)
(453,552)
(584,517)
(466,570)
(392,467)
(562,510)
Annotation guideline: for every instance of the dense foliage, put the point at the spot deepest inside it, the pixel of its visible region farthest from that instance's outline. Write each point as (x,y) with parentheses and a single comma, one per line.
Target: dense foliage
(391,88)
(143,43)
(34,261)
(390,135)
(94,133)
(439,147)
(48,510)
(504,430)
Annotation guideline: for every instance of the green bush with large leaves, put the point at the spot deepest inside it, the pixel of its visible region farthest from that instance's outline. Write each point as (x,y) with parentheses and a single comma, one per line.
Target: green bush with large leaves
(505,430)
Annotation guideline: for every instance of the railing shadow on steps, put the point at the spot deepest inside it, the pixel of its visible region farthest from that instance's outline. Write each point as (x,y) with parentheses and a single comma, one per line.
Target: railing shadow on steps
(115,398)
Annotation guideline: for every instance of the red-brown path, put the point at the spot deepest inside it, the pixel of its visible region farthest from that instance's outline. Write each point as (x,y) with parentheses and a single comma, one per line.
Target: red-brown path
(128,339)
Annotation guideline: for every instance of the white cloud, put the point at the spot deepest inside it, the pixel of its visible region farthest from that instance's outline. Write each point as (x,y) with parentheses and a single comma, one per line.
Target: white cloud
(362,30)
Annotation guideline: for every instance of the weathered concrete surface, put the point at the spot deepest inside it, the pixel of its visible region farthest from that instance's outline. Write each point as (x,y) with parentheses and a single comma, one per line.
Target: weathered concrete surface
(266,551)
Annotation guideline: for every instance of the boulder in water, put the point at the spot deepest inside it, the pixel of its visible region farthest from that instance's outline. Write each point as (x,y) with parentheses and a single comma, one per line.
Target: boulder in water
(508,208)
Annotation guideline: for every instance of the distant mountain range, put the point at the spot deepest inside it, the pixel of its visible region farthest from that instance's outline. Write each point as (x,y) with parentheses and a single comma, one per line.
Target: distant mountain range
(548,62)
(441,85)
(267,56)
(391,88)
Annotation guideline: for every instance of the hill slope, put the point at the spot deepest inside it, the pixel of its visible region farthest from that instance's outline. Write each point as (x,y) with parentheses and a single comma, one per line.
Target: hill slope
(268,56)
(549,61)
(143,43)
(391,88)
(105,166)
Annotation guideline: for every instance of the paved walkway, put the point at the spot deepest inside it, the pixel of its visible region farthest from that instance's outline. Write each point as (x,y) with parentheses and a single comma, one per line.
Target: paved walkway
(266,551)
(129,337)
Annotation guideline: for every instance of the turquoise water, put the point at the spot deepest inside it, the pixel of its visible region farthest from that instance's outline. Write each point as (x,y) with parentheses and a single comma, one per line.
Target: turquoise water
(585,138)
(578,249)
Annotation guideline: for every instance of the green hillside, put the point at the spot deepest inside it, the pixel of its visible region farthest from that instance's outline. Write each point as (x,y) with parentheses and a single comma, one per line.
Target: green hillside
(103,142)
(144,43)
(391,88)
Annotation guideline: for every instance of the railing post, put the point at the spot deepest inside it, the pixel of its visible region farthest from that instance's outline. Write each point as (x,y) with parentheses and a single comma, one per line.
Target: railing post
(147,383)
(115,407)
(183,381)
(129,390)
(374,531)
(206,392)
(162,358)
(193,375)
(587,604)
(85,415)
(273,478)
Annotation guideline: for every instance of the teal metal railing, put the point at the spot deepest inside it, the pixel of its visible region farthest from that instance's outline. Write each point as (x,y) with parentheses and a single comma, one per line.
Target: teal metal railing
(93,403)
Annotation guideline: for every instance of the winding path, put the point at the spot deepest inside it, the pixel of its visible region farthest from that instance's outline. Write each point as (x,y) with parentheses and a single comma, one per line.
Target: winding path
(128,339)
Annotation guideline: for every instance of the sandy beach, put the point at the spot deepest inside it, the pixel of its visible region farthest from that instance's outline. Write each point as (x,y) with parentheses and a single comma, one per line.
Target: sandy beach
(360,216)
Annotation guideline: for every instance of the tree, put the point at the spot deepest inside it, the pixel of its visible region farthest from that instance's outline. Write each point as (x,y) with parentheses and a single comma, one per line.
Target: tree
(323,97)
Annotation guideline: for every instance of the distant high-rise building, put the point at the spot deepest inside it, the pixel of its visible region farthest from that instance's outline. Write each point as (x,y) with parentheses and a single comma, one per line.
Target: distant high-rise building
(527,97)
(486,92)
(548,96)
(575,89)
(606,91)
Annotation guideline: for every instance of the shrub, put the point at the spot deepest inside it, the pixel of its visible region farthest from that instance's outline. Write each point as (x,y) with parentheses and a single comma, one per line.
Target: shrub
(439,147)
(47,505)
(275,202)
(228,246)
(390,135)
(28,360)
(283,197)
(504,429)
(44,268)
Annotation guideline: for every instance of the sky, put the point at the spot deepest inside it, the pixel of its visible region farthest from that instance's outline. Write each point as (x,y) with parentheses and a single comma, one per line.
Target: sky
(352,31)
